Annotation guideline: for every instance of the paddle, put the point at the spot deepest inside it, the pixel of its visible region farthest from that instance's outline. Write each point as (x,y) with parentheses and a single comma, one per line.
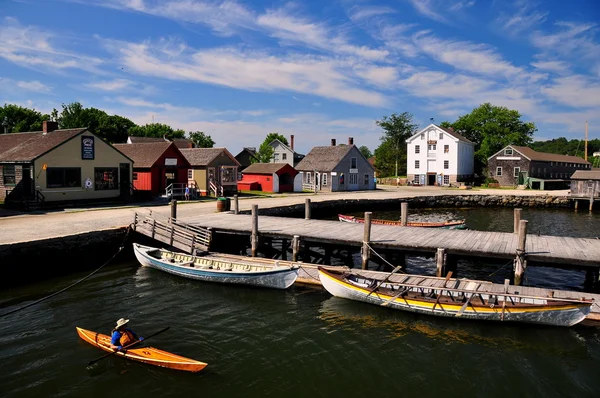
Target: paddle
(127,346)
(440,295)
(398,268)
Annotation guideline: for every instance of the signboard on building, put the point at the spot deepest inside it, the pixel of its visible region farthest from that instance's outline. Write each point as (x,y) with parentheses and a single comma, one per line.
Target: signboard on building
(87,147)
(170,161)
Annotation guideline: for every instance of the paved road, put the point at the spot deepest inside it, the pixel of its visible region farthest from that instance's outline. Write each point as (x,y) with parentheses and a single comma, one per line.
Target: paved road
(24,227)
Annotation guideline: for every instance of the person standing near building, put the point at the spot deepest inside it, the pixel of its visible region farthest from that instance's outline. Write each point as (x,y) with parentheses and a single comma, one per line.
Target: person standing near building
(187,192)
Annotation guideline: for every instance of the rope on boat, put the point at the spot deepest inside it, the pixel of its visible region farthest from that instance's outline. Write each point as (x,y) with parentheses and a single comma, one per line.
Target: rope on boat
(384,260)
(493,273)
(129,229)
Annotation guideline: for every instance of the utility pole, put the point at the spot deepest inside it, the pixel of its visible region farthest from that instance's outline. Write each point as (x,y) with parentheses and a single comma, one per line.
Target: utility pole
(397,143)
(586,139)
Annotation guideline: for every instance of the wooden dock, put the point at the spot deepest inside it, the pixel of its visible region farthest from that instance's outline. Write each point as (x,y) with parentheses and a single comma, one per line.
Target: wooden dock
(184,237)
(558,251)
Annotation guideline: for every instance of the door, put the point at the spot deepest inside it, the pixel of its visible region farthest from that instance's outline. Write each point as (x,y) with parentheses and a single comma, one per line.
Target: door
(522,178)
(170,177)
(353,182)
(430,179)
(26,183)
(124,179)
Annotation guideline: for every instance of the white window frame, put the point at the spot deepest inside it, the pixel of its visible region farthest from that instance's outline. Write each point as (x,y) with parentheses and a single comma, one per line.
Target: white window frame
(353,179)
(190,174)
(441,136)
(499,171)
(446,180)
(446,164)
(422,136)
(516,172)
(284,156)
(417,164)
(508,152)
(324,179)
(308,177)
(446,148)
(417,148)
(417,179)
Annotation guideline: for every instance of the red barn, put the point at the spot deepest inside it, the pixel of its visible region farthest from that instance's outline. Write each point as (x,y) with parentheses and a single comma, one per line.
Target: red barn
(268,177)
(156,165)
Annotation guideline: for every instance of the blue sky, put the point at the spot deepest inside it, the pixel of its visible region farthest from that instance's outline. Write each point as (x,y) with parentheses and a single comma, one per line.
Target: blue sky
(239,70)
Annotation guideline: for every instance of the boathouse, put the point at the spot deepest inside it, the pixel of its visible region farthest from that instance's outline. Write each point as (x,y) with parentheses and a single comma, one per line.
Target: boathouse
(585,184)
(285,154)
(61,165)
(439,156)
(268,177)
(519,165)
(336,168)
(158,167)
(213,171)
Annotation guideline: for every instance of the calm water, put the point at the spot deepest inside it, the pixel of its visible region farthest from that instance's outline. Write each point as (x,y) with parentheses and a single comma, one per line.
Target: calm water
(296,343)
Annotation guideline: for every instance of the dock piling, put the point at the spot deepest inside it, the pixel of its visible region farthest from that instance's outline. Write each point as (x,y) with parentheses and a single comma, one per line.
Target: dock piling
(295,247)
(517,213)
(440,258)
(173,210)
(236,205)
(307,209)
(366,239)
(254,236)
(404,214)
(521,259)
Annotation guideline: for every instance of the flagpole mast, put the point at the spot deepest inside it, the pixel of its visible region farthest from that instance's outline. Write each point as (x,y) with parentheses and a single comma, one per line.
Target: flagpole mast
(586,138)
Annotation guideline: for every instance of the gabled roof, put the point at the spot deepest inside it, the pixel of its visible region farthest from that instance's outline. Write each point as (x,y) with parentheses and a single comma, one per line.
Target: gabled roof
(285,146)
(180,142)
(324,158)
(264,168)
(586,175)
(204,156)
(449,131)
(145,155)
(26,147)
(543,156)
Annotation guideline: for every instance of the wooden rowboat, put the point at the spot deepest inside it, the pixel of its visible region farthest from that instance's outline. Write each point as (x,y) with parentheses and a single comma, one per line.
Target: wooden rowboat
(217,270)
(426,224)
(149,355)
(439,300)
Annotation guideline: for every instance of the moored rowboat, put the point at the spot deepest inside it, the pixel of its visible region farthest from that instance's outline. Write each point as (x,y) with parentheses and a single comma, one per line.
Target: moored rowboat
(211,269)
(436,299)
(149,355)
(460,224)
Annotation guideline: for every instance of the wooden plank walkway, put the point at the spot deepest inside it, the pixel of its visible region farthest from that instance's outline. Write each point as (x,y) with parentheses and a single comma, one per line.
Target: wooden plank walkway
(309,275)
(557,251)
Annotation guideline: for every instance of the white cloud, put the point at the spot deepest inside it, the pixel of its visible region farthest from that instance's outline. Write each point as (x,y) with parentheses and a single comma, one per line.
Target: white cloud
(359,13)
(18,86)
(253,71)
(427,8)
(33,85)
(110,85)
(552,66)
(523,18)
(31,47)
(574,91)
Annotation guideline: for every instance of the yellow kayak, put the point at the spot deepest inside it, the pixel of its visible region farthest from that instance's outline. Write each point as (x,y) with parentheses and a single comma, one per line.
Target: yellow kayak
(149,355)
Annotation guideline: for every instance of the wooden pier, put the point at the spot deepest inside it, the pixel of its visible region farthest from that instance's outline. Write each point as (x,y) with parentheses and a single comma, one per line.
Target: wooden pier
(557,251)
(184,237)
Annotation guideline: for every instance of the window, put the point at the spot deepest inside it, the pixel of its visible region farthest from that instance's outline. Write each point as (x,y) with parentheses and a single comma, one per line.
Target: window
(135,176)
(352,163)
(228,174)
(63,177)
(190,174)
(324,178)
(284,156)
(517,171)
(508,151)
(446,164)
(308,178)
(431,147)
(416,179)
(353,178)
(441,136)
(366,179)
(276,157)
(446,148)
(446,180)
(417,164)
(10,177)
(106,178)
(422,136)
(498,171)
(417,149)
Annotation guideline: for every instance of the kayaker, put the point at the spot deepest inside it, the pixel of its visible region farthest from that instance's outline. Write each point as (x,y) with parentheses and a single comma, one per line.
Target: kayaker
(122,336)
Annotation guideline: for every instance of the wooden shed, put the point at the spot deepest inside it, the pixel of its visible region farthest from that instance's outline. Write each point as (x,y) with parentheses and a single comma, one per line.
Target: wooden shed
(585,184)
(213,171)
(268,177)
(157,166)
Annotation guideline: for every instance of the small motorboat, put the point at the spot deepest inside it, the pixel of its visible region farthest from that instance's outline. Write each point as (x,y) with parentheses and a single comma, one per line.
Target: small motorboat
(149,355)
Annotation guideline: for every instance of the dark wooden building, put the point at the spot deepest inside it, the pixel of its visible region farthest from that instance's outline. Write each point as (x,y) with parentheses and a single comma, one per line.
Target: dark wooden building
(157,165)
(585,184)
(519,165)
(245,157)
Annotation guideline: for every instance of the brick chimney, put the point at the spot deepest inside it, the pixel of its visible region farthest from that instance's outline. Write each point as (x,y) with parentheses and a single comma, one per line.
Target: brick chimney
(49,126)
(292,141)
(333,142)
(350,141)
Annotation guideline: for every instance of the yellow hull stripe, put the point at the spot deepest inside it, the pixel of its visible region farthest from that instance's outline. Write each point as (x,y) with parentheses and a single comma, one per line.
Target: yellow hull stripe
(455,307)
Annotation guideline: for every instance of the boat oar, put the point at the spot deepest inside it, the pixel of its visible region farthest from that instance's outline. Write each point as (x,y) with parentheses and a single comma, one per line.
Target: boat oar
(398,268)
(465,305)
(440,295)
(127,346)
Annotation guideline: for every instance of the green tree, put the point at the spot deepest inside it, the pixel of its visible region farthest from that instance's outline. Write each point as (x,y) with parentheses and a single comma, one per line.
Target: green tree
(391,154)
(111,128)
(265,151)
(366,152)
(20,119)
(202,140)
(156,130)
(491,128)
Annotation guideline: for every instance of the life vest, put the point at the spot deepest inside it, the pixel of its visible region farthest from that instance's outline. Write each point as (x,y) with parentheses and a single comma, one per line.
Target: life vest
(127,337)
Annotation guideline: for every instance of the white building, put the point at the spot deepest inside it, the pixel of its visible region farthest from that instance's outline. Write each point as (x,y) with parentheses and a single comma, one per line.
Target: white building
(439,156)
(285,154)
